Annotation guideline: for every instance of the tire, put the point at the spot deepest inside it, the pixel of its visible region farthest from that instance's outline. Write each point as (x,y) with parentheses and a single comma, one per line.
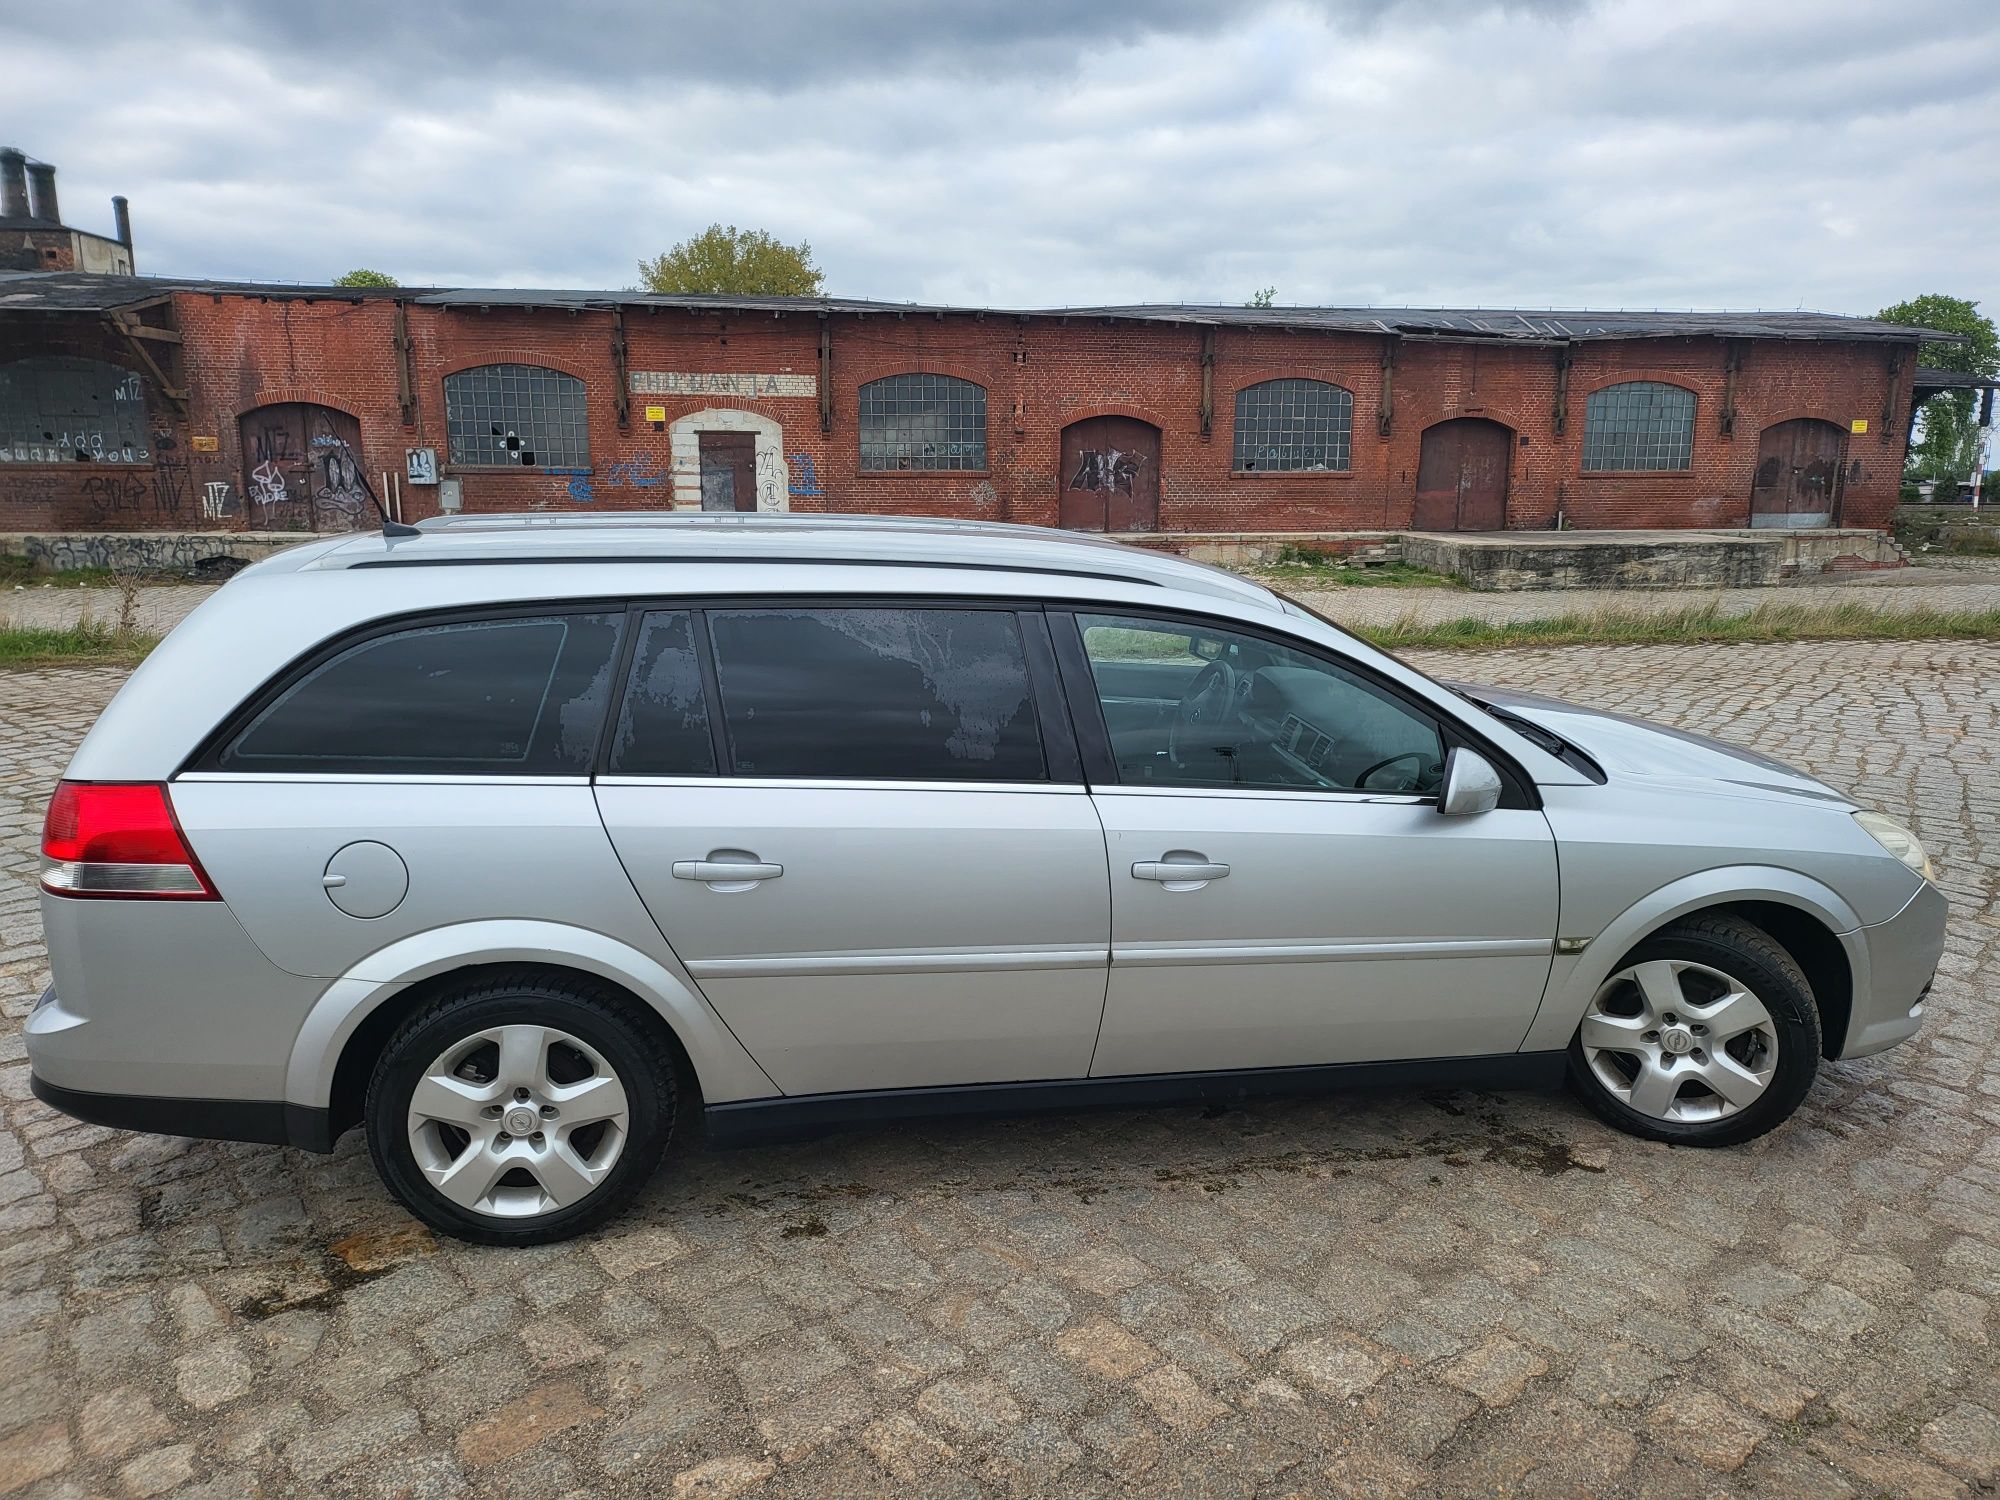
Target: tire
(528,1144)
(1699,1081)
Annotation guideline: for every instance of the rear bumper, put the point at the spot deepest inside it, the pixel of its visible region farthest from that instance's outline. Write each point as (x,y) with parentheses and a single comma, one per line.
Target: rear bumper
(270,1122)
(1903,955)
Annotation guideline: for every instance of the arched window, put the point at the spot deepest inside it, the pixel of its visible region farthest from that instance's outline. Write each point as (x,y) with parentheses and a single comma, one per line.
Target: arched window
(1293,426)
(516,414)
(922,422)
(1642,424)
(58,409)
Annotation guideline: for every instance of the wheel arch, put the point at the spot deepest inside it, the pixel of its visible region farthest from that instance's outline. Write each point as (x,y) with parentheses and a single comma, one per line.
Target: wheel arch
(345,1030)
(1811,921)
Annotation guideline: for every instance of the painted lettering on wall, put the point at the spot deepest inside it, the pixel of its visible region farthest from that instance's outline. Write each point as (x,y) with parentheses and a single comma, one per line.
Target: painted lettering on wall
(642,473)
(215,500)
(693,383)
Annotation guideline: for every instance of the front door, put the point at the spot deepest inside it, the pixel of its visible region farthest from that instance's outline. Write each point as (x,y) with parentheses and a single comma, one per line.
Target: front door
(1462,476)
(889,885)
(1284,890)
(1110,475)
(728,470)
(1797,483)
(302,469)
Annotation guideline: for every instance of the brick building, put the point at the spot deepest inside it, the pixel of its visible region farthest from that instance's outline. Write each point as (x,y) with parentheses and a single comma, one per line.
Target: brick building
(130,403)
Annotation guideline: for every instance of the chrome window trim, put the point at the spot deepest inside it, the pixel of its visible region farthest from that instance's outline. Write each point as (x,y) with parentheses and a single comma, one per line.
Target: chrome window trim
(380,778)
(1264,794)
(840,784)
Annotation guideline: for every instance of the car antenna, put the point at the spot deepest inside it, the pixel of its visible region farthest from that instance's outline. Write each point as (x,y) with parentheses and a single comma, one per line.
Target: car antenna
(389,527)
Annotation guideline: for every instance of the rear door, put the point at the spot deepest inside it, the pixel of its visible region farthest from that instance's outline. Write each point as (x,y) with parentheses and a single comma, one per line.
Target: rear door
(862,828)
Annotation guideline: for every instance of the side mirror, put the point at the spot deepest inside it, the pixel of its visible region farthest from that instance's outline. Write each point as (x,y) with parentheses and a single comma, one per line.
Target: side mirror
(1471,785)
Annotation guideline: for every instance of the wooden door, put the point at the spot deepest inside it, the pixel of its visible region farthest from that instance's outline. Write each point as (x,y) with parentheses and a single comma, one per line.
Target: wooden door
(1110,475)
(302,469)
(1797,483)
(728,470)
(1462,476)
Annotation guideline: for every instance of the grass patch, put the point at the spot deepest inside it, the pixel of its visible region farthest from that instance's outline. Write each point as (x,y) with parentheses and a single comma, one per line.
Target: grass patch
(15,571)
(90,643)
(1691,625)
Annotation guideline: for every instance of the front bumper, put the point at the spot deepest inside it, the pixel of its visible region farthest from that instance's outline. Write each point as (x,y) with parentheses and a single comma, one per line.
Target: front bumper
(1902,958)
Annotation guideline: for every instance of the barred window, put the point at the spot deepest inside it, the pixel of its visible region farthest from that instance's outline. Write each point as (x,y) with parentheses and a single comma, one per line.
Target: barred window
(516,414)
(1642,424)
(58,409)
(1293,425)
(922,422)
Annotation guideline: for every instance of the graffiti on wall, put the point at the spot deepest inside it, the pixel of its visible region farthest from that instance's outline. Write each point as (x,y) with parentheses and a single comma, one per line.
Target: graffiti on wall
(302,469)
(1105,469)
(804,480)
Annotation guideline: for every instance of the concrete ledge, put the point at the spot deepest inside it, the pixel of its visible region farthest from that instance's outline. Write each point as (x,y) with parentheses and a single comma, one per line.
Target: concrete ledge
(1645,559)
(195,552)
(1257,549)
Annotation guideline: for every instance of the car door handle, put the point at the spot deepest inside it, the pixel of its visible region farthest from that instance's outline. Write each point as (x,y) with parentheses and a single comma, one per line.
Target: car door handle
(724,871)
(1175,872)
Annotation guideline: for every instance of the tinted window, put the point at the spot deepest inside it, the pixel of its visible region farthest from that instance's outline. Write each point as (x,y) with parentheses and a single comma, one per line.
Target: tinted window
(1189,706)
(663,727)
(515,697)
(903,694)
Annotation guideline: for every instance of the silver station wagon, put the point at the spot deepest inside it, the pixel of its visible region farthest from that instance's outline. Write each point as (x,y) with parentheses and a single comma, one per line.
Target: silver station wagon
(522,841)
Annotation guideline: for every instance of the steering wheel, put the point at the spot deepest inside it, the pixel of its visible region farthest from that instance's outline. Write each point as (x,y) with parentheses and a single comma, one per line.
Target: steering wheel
(1423,765)
(1209,702)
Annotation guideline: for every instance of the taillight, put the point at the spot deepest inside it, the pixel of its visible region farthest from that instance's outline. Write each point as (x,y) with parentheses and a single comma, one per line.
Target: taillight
(118,839)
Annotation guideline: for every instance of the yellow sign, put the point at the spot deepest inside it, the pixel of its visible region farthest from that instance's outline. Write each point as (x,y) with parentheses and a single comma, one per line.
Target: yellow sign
(656,414)
(1859,424)
(205,444)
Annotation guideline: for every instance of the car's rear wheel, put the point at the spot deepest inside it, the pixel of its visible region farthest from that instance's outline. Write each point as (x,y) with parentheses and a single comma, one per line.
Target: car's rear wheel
(1706,1035)
(519,1109)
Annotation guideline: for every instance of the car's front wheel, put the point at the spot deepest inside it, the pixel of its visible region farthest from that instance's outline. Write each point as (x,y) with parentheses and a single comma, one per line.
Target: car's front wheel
(519,1109)
(1706,1035)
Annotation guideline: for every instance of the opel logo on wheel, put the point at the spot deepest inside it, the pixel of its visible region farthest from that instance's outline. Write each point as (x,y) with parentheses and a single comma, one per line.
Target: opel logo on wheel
(523,1121)
(1677,1041)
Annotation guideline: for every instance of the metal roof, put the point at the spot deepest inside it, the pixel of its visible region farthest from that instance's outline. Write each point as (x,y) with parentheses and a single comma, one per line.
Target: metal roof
(75,291)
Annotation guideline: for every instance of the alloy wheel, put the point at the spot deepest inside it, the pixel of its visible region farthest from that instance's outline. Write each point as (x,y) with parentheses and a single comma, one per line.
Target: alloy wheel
(1680,1041)
(518,1120)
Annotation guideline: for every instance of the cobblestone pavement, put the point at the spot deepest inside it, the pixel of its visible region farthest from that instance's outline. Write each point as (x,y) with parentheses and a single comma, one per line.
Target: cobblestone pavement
(1956,583)
(1458,1294)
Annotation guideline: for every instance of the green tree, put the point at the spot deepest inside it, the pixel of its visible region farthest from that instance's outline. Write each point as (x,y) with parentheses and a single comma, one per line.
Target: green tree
(1262,297)
(723,258)
(362,276)
(1948,440)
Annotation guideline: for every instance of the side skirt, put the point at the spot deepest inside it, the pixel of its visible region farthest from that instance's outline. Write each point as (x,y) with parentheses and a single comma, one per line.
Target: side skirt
(746,1122)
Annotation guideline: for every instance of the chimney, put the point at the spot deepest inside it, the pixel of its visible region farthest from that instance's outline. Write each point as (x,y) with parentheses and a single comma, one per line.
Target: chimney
(42,188)
(121,215)
(13,183)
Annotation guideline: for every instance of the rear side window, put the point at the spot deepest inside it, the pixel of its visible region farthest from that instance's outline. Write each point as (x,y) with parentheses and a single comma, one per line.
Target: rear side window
(663,727)
(510,697)
(877,694)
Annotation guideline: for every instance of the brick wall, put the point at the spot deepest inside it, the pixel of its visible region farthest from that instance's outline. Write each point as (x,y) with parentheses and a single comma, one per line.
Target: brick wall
(242,353)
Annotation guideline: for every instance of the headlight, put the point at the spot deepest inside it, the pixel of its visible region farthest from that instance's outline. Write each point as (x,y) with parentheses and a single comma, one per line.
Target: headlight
(1899,841)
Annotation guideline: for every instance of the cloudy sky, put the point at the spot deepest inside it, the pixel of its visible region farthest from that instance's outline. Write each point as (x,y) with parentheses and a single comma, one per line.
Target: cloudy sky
(1831,154)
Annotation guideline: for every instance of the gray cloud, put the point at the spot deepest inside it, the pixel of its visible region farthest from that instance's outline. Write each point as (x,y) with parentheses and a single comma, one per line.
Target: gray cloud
(1830,153)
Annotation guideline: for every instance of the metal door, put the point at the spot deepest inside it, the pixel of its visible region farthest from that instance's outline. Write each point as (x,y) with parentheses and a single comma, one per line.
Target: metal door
(1462,476)
(302,469)
(1797,483)
(1110,475)
(728,470)
(1345,930)
(880,936)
